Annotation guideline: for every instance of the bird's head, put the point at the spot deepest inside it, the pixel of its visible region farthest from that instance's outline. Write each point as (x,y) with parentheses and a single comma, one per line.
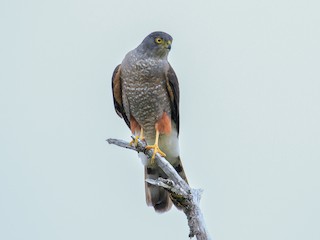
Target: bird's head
(156,44)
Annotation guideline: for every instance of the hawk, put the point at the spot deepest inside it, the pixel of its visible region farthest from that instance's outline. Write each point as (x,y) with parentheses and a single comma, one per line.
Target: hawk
(146,95)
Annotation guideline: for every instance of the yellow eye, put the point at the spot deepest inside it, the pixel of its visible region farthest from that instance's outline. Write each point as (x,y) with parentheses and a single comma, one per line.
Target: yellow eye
(158,40)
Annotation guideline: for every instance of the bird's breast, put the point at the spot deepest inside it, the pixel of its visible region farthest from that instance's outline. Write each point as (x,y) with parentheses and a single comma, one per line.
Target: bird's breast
(144,88)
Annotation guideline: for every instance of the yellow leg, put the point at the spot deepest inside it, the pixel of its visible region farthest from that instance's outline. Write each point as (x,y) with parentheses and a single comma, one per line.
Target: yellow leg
(155,148)
(141,134)
(135,140)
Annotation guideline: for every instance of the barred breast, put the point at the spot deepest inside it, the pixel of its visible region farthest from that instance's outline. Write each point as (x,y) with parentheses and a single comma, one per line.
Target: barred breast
(144,91)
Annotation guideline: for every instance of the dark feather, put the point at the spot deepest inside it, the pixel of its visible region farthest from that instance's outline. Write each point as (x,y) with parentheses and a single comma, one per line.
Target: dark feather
(174,94)
(117,94)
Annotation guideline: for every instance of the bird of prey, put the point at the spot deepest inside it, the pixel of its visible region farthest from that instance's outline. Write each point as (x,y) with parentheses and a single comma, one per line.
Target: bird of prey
(146,95)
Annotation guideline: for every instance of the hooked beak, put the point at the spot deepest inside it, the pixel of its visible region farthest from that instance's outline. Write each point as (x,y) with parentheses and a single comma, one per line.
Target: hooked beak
(168,45)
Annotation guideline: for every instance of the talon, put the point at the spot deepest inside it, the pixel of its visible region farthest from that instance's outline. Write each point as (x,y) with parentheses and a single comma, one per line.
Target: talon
(134,141)
(155,148)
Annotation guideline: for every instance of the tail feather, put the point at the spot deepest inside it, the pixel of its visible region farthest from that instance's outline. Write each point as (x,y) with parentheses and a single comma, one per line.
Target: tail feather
(158,197)
(177,164)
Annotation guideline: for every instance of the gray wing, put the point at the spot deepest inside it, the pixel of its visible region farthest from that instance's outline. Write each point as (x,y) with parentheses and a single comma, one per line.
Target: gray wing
(117,94)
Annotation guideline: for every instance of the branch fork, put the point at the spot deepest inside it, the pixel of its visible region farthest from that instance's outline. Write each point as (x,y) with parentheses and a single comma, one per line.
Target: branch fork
(187,197)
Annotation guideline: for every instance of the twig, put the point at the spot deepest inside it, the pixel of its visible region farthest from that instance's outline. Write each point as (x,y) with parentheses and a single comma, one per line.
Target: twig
(187,197)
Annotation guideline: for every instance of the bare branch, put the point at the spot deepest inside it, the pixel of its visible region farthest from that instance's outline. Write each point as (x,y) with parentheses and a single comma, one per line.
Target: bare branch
(187,197)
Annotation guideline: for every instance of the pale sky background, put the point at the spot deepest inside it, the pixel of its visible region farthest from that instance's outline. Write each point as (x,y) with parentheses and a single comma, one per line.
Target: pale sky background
(250,118)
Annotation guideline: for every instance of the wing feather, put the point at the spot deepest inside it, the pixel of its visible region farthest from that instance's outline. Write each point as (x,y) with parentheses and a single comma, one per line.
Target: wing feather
(174,94)
(117,94)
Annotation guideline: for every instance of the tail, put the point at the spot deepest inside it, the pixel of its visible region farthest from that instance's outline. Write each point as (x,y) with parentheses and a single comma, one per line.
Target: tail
(158,197)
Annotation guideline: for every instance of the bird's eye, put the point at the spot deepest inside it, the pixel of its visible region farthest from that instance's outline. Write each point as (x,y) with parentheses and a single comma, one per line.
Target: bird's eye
(158,40)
